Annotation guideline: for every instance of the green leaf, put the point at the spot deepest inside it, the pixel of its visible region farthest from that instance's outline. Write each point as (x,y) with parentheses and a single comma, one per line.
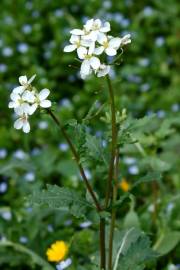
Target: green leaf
(62,198)
(136,124)
(95,149)
(157,164)
(152,176)
(167,242)
(131,220)
(135,255)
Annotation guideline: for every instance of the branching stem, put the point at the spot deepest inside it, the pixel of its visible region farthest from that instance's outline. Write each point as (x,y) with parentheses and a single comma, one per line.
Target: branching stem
(76,157)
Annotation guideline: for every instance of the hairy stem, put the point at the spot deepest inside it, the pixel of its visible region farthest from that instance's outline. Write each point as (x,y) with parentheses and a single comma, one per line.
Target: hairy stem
(111,174)
(113,143)
(113,215)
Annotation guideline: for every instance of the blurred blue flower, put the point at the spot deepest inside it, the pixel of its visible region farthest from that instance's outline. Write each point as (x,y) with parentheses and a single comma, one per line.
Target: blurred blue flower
(3,68)
(3,187)
(85,224)
(22,47)
(3,153)
(29,176)
(133,170)
(160,41)
(27,29)
(23,239)
(7,52)
(64,264)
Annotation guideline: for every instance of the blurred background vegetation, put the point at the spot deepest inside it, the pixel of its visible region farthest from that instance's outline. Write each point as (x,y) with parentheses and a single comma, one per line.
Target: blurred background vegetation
(32,37)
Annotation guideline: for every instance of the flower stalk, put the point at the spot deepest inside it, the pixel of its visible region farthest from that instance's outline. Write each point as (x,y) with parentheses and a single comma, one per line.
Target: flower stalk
(111,191)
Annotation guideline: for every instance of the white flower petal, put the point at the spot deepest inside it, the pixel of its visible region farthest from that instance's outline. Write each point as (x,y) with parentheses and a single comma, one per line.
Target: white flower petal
(19,110)
(81,51)
(45,103)
(106,27)
(25,107)
(103,70)
(12,104)
(92,36)
(70,48)
(97,23)
(32,109)
(18,123)
(19,90)
(23,80)
(101,38)
(15,97)
(91,48)
(95,62)
(85,68)
(74,39)
(86,43)
(110,51)
(77,32)
(28,96)
(89,24)
(44,94)
(115,43)
(26,126)
(99,50)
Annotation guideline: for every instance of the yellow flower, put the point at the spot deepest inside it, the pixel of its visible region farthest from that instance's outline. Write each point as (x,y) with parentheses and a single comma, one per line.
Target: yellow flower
(124,185)
(57,251)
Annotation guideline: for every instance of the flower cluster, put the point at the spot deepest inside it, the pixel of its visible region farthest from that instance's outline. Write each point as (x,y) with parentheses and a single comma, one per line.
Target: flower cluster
(25,99)
(91,42)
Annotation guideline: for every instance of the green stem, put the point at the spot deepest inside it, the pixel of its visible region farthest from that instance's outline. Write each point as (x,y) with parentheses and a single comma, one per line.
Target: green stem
(102,244)
(113,143)
(113,215)
(111,171)
(76,157)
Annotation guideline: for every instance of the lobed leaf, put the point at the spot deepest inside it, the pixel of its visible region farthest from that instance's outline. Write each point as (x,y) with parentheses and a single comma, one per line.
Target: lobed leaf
(62,198)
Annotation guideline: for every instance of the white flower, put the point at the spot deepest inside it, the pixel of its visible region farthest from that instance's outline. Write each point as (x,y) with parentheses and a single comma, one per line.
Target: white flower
(24,84)
(76,42)
(92,41)
(94,27)
(126,39)
(103,70)
(91,29)
(22,123)
(19,104)
(89,62)
(40,100)
(109,44)
(25,100)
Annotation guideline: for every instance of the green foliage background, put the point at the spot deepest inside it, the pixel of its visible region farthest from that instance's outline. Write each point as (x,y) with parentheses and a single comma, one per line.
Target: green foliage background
(32,37)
